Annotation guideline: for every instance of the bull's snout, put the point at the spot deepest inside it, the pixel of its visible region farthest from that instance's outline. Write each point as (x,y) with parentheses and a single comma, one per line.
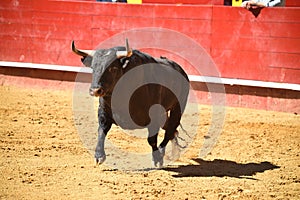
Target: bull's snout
(97,92)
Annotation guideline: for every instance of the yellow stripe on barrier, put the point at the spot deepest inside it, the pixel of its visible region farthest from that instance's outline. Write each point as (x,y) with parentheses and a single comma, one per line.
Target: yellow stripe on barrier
(236,2)
(134,1)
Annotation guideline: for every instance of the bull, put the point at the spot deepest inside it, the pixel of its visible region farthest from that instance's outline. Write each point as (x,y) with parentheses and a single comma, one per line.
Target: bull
(109,66)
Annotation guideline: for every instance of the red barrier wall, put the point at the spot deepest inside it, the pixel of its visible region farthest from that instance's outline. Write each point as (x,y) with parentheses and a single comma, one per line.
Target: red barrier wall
(287,3)
(266,47)
(243,46)
(292,3)
(198,2)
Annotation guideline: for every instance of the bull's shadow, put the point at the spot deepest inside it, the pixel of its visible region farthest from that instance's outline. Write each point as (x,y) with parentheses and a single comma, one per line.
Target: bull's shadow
(221,168)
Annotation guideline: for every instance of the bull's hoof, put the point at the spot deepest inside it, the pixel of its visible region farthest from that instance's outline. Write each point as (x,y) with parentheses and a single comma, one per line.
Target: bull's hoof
(158,165)
(100,160)
(158,157)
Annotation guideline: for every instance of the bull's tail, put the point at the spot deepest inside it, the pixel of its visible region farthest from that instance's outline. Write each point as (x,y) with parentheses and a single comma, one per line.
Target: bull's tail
(181,138)
(185,131)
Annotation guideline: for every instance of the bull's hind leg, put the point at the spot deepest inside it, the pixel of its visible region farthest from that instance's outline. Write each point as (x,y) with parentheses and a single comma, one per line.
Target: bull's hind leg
(157,155)
(171,132)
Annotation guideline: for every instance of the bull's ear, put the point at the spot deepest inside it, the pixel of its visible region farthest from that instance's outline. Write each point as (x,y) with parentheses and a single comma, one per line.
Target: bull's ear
(126,53)
(83,53)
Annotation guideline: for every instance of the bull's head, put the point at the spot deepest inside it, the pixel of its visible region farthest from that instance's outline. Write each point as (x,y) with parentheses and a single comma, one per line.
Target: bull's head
(107,65)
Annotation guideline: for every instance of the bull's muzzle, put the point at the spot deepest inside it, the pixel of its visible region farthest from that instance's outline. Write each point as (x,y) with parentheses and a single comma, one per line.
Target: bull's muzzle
(97,92)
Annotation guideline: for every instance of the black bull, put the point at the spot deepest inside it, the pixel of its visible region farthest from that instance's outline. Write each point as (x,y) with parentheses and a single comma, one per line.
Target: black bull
(109,66)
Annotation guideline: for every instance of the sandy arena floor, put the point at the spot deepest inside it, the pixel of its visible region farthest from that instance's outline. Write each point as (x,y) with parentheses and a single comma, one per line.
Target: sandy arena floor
(42,156)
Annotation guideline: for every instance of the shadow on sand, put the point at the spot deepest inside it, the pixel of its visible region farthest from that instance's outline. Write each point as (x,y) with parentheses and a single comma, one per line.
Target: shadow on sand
(221,168)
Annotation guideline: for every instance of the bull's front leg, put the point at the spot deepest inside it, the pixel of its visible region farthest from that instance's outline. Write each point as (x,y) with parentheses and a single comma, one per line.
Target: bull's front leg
(100,155)
(105,123)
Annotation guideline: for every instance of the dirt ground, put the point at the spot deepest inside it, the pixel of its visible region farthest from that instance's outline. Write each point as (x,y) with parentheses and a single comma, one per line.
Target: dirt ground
(42,156)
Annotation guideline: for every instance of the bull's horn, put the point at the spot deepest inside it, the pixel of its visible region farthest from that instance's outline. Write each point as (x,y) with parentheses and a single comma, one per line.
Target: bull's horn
(126,53)
(83,53)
